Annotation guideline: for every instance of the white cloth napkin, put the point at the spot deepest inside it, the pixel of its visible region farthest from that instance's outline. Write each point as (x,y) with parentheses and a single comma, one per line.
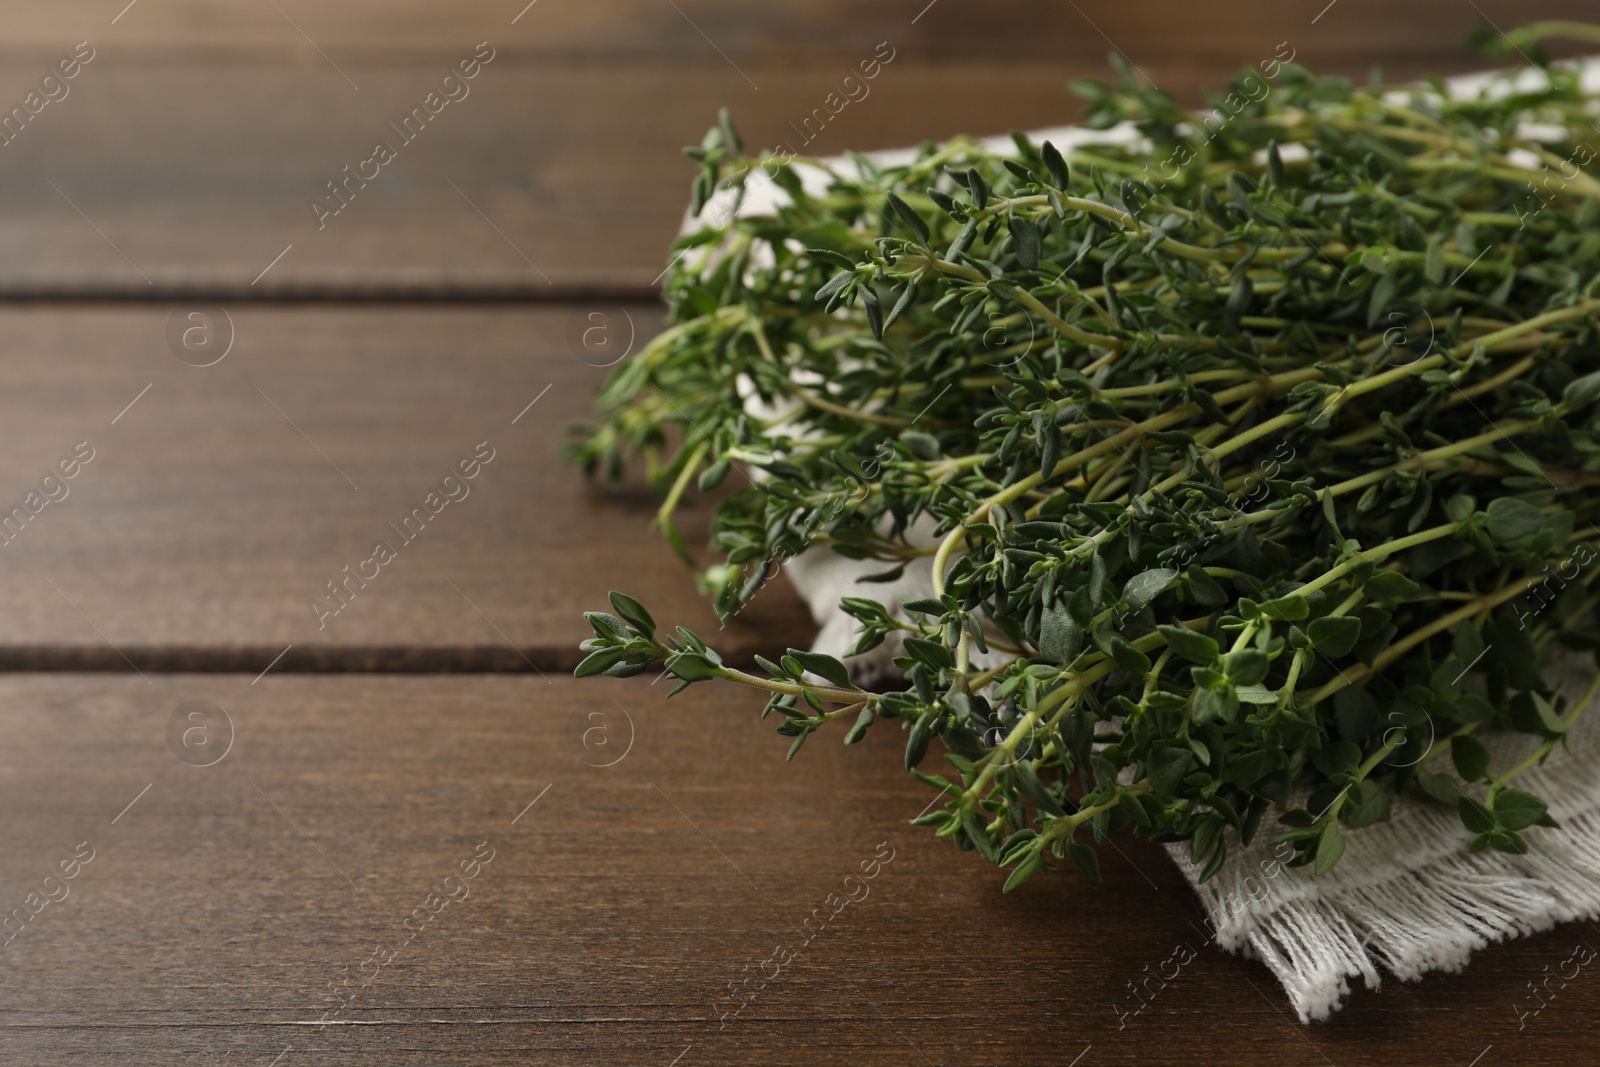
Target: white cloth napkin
(1406,897)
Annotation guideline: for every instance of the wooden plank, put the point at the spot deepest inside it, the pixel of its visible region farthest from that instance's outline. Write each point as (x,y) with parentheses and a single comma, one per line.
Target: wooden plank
(584,192)
(222,901)
(221,501)
(1037,29)
(187,155)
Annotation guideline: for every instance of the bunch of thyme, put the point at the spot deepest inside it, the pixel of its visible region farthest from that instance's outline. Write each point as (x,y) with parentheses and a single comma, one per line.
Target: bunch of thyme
(1270,480)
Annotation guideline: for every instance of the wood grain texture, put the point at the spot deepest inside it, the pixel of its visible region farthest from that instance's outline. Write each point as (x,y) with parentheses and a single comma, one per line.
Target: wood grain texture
(223,901)
(804,29)
(218,507)
(187,154)
(216,910)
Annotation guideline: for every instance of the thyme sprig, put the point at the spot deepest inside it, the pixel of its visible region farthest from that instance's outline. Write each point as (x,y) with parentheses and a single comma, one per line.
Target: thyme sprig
(1270,477)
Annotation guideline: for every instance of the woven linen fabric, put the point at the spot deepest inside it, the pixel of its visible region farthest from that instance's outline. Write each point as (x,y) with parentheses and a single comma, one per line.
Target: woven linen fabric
(1407,898)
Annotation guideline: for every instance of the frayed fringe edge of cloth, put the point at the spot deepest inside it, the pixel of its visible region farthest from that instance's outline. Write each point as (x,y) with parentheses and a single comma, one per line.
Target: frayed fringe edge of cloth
(1408,898)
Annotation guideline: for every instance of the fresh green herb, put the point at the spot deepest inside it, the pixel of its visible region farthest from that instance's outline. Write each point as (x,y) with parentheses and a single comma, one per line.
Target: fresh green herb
(1273,471)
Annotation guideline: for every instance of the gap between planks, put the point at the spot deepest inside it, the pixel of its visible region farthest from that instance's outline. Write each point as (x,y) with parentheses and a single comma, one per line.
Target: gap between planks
(330,293)
(314,659)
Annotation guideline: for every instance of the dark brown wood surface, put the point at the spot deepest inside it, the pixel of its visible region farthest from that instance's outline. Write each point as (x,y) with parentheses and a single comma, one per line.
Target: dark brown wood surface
(186,154)
(219,506)
(227,905)
(222,904)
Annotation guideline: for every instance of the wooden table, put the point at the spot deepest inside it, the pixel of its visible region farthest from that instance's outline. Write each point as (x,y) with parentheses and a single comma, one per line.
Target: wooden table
(409,836)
